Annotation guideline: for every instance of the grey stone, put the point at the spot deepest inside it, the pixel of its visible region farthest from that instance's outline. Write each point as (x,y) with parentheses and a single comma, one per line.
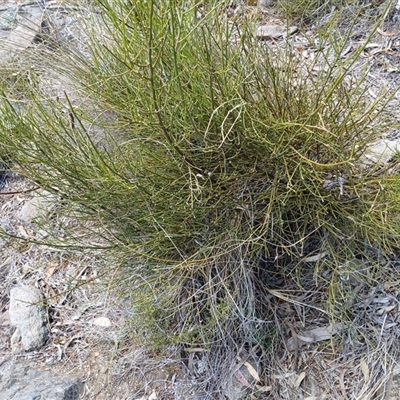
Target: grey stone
(381,151)
(20,381)
(21,28)
(265,32)
(237,386)
(37,207)
(266,3)
(29,316)
(391,389)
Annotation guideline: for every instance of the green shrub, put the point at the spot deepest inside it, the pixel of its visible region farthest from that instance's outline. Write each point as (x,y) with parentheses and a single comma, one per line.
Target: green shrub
(215,165)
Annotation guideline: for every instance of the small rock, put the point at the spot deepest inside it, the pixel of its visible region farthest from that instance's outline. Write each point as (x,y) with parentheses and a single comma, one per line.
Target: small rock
(29,316)
(265,32)
(22,27)
(37,207)
(237,387)
(236,391)
(381,151)
(20,381)
(266,3)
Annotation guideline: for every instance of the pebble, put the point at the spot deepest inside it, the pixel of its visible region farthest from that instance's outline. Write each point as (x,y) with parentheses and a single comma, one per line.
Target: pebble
(265,32)
(19,380)
(29,316)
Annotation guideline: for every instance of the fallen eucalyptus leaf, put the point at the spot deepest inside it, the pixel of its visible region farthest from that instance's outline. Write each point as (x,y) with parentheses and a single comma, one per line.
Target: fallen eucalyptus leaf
(315,258)
(299,379)
(241,378)
(252,371)
(314,335)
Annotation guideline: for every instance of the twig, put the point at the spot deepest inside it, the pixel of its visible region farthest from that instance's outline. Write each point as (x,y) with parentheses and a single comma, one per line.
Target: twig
(342,386)
(21,191)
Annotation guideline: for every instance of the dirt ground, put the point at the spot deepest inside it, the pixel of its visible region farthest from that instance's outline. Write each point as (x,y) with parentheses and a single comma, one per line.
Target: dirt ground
(92,325)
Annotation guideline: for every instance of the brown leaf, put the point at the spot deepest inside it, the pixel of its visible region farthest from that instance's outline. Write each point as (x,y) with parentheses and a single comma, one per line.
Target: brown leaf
(241,378)
(264,389)
(315,258)
(299,379)
(50,271)
(393,33)
(314,335)
(252,371)
(365,370)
